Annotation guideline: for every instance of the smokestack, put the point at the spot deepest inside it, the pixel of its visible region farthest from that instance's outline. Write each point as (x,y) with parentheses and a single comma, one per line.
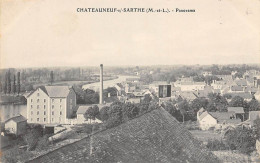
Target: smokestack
(101,85)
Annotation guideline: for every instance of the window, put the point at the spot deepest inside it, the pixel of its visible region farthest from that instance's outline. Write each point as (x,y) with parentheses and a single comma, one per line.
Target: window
(52,106)
(60,113)
(44,113)
(52,100)
(37,112)
(38,94)
(44,106)
(38,119)
(52,120)
(44,119)
(38,107)
(60,100)
(60,107)
(31,112)
(52,113)
(38,100)
(44,100)
(31,100)
(31,106)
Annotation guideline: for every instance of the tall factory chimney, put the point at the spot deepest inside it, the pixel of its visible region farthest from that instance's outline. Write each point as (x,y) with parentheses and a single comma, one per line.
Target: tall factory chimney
(101,85)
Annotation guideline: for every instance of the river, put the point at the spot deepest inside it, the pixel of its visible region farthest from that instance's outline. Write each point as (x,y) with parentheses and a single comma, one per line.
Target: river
(108,83)
(10,110)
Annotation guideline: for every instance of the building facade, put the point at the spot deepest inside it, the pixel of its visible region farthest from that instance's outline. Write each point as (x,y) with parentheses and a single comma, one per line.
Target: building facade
(51,105)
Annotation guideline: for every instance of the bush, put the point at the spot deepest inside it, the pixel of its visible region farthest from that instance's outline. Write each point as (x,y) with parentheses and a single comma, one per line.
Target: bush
(216,145)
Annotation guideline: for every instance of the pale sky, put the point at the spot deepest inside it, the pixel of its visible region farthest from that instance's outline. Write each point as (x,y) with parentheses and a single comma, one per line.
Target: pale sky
(51,33)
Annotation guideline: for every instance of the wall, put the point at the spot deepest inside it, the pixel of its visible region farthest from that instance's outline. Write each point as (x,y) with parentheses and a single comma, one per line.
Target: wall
(257,145)
(32,109)
(207,122)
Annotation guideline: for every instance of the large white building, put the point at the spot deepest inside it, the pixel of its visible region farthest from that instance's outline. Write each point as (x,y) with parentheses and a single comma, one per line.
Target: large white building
(51,105)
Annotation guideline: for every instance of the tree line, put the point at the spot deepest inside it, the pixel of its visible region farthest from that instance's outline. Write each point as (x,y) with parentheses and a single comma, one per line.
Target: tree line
(119,112)
(184,110)
(12,84)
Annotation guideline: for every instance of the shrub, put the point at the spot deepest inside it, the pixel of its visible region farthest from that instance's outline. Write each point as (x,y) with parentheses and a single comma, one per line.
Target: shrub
(216,145)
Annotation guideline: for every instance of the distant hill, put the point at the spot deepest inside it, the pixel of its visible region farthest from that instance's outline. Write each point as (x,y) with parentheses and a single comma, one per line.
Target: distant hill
(153,137)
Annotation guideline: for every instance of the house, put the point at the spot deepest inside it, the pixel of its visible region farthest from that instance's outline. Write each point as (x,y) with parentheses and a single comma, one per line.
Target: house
(120,88)
(190,86)
(239,111)
(208,120)
(81,112)
(207,90)
(51,105)
(16,125)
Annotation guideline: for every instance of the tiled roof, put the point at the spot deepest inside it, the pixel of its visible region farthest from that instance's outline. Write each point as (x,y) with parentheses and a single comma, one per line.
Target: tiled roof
(57,91)
(17,119)
(225,117)
(188,95)
(244,95)
(237,110)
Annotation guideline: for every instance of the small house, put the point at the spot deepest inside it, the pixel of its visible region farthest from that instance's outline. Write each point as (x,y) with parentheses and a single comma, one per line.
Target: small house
(16,125)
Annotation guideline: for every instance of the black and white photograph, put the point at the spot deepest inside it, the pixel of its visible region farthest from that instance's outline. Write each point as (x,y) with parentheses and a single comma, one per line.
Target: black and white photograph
(134,81)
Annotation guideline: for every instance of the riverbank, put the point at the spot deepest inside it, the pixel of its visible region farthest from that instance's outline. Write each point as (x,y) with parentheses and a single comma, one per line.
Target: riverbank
(12,99)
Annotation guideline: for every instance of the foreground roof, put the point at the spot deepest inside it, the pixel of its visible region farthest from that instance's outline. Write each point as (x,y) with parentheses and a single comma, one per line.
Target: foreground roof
(153,137)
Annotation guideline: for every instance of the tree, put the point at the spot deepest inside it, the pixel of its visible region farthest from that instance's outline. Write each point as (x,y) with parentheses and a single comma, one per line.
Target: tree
(253,105)
(115,116)
(241,139)
(18,83)
(198,103)
(216,102)
(5,86)
(32,137)
(92,112)
(14,86)
(237,101)
(129,111)
(103,113)
(52,77)
(147,98)
(9,82)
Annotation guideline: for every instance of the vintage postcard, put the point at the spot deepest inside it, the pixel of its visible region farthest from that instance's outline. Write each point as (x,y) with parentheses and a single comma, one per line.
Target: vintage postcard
(130,81)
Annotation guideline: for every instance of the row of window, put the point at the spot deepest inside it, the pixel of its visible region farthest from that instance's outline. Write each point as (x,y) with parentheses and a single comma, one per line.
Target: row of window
(44,119)
(44,100)
(44,107)
(44,113)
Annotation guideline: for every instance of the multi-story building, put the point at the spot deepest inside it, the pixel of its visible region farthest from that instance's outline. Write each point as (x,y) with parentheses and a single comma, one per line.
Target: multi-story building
(51,105)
